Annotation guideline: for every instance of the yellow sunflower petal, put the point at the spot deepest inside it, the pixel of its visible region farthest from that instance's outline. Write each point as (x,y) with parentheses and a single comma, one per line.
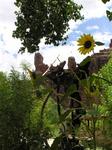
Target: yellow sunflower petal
(86,44)
(81,50)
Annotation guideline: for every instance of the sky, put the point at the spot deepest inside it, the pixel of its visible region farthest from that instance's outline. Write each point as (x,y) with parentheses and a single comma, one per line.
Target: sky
(95,23)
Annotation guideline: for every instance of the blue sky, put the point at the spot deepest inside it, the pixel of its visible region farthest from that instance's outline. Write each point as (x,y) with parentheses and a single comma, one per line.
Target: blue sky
(93,26)
(95,23)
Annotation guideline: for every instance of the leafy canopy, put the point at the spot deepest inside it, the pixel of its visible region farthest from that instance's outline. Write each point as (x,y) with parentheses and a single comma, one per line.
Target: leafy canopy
(109,13)
(49,19)
(105,1)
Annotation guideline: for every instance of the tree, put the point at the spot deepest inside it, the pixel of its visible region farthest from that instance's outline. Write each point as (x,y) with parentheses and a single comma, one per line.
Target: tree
(47,19)
(20,120)
(105,85)
(16,103)
(105,1)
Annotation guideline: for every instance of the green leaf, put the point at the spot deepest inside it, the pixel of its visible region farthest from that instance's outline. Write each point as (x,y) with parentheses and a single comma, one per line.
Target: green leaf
(71,89)
(85,61)
(55,144)
(109,15)
(64,115)
(46,19)
(105,1)
(94,110)
(99,43)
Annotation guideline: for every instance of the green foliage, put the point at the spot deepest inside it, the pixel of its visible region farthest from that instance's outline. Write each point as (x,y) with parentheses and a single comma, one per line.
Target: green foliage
(99,43)
(21,126)
(20,111)
(106,91)
(15,106)
(85,61)
(56,142)
(105,1)
(47,19)
(109,14)
(105,73)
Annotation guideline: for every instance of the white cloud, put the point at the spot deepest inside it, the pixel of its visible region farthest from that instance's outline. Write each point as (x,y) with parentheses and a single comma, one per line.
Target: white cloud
(62,52)
(7,9)
(7,19)
(103,37)
(73,26)
(95,27)
(9,46)
(9,43)
(7,60)
(93,8)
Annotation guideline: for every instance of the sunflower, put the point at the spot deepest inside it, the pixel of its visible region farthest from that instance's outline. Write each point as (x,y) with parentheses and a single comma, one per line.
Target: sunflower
(86,43)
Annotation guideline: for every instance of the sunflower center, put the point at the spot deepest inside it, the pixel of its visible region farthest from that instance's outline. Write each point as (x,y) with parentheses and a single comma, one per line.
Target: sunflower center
(87,44)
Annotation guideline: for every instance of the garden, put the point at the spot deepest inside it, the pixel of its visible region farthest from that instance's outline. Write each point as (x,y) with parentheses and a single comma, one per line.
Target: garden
(54,107)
